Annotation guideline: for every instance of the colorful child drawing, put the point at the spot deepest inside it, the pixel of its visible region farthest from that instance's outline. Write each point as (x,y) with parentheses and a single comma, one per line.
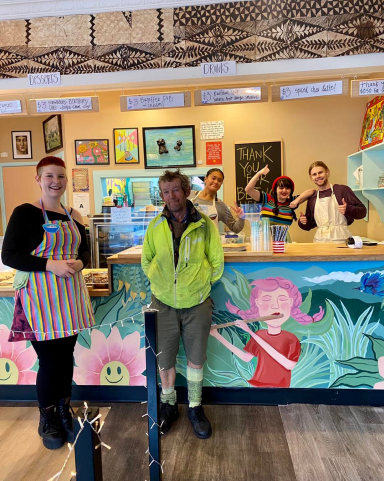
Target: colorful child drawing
(277,351)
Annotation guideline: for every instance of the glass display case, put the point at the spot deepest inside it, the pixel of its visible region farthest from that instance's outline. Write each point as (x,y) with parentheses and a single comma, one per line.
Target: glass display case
(108,237)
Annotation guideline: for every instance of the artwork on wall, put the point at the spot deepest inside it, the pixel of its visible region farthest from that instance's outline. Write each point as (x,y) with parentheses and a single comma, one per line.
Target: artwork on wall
(53,137)
(169,147)
(22,144)
(372,132)
(92,152)
(126,142)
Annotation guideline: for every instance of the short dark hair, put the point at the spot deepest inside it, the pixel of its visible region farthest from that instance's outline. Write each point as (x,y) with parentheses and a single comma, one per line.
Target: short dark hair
(215,169)
(170,175)
(50,160)
(318,163)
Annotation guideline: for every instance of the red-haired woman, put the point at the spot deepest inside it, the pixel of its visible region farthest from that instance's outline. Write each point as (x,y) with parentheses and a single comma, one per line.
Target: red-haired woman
(46,243)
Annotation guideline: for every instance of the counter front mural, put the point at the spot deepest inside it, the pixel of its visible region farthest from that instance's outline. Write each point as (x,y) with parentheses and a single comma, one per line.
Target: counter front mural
(330,333)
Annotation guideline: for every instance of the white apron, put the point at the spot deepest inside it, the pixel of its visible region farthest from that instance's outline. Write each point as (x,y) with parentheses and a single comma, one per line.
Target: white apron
(209,210)
(331,225)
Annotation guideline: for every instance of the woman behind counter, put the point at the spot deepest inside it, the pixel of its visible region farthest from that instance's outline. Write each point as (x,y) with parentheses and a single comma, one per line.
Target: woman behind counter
(48,247)
(217,210)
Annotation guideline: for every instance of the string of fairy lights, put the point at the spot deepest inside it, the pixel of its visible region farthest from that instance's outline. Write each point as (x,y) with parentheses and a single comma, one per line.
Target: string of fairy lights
(83,422)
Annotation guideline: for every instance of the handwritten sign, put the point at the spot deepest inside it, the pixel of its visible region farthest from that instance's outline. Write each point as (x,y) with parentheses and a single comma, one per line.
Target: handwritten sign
(249,159)
(64,104)
(214,153)
(219,96)
(44,79)
(10,107)
(371,87)
(121,215)
(212,130)
(218,69)
(321,89)
(161,101)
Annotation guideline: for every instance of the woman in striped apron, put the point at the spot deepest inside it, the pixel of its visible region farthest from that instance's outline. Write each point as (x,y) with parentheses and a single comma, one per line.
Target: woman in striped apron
(48,247)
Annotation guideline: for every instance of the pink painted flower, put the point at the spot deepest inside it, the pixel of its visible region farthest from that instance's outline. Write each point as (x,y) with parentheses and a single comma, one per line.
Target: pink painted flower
(110,360)
(16,360)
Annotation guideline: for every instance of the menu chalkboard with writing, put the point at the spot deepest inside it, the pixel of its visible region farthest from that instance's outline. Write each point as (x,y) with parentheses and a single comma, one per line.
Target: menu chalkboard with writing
(249,159)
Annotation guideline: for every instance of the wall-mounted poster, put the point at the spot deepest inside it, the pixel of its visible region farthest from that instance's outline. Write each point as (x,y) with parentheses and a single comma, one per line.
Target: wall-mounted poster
(126,143)
(169,147)
(214,153)
(53,137)
(372,132)
(80,180)
(92,152)
(22,144)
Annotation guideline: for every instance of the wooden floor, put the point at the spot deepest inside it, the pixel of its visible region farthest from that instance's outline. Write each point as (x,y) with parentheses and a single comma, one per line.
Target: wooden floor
(249,443)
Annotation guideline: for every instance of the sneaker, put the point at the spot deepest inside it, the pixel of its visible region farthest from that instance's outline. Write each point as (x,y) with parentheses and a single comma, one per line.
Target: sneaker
(200,422)
(168,414)
(50,429)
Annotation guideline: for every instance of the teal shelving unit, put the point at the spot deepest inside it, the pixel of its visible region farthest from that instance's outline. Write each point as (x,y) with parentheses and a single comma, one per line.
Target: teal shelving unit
(372,160)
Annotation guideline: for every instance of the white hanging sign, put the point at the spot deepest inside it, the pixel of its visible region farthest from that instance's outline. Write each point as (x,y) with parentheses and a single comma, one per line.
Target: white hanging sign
(371,87)
(81,202)
(160,101)
(212,130)
(218,96)
(44,79)
(302,91)
(121,215)
(10,107)
(64,104)
(218,69)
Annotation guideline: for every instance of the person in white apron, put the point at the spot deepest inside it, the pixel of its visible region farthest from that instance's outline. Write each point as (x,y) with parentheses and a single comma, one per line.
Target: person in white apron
(206,201)
(331,209)
(332,226)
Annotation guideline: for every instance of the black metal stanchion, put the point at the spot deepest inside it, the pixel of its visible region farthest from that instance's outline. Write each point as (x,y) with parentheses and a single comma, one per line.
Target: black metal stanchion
(88,459)
(155,469)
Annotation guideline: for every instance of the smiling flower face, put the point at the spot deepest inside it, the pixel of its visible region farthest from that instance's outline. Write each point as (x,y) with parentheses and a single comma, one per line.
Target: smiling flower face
(111,361)
(16,360)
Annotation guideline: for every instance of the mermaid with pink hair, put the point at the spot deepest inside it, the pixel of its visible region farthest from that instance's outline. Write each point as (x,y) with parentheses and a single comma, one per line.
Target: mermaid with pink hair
(277,351)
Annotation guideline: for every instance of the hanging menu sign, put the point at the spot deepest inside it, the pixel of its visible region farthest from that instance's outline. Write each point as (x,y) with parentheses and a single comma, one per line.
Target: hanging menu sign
(218,69)
(64,104)
(303,91)
(231,96)
(169,100)
(367,87)
(10,107)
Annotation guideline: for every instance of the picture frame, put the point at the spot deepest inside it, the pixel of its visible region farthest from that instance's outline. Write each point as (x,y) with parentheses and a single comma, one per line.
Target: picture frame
(53,136)
(21,144)
(169,146)
(126,145)
(92,152)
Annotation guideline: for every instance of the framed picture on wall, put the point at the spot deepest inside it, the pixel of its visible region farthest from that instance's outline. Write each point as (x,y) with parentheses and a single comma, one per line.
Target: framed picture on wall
(169,147)
(22,144)
(126,143)
(92,152)
(53,137)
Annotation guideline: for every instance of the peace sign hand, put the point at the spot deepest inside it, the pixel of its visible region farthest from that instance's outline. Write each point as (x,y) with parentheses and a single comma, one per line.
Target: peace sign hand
(238,211)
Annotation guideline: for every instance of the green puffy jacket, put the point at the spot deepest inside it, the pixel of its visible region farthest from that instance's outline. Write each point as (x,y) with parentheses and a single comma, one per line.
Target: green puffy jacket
(201,262)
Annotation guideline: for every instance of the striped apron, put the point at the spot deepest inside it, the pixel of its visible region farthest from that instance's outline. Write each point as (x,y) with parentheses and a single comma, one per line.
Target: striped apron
(55,306)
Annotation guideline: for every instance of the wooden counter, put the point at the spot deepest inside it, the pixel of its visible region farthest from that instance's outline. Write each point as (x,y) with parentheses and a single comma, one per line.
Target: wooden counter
(294,253)
(10,292)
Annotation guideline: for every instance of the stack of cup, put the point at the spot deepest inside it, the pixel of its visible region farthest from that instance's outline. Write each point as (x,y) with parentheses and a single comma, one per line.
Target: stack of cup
(266,235)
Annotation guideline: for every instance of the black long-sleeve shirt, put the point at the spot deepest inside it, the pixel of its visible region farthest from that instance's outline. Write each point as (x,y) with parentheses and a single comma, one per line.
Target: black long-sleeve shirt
(25,232)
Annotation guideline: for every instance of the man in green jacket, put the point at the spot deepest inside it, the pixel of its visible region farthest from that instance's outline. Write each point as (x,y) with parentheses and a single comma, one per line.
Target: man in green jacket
(182,257)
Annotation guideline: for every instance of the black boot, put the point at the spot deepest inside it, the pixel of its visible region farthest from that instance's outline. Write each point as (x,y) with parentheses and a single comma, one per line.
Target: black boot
(65,416)
(201,425)
(168,414)
(50,429)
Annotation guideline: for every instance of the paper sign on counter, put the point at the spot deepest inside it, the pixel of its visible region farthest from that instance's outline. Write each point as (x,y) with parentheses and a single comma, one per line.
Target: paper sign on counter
(121,215)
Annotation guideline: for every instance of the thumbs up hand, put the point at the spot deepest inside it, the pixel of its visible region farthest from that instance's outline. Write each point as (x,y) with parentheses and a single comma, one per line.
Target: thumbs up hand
(343,207)
(303,219)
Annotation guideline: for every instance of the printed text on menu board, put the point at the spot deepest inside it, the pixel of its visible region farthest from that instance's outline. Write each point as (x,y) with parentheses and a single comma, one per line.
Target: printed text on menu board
(161,101)
(371,87)
(64,105)
(10,107)
(303,91)
(218,96)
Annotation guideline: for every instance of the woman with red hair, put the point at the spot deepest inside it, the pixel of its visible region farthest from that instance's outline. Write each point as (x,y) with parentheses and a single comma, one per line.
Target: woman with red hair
(46,243)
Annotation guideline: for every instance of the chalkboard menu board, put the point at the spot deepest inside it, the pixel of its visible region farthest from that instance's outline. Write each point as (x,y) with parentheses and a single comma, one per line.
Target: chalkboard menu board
(249,159)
